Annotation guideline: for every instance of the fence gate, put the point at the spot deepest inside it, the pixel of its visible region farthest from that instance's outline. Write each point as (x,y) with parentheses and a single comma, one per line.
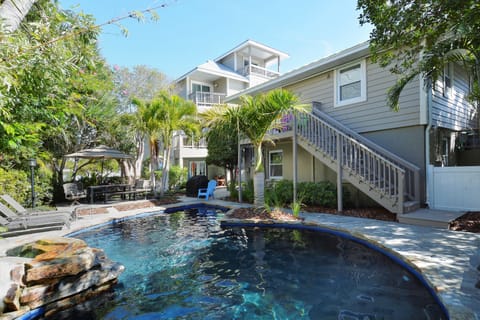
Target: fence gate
(454,188)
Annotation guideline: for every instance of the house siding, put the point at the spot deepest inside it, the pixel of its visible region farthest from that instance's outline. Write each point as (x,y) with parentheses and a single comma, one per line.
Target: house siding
(229,61)
(370,115)
(235,86)
(221,86)
(312,169)
(454,112)
(182,89)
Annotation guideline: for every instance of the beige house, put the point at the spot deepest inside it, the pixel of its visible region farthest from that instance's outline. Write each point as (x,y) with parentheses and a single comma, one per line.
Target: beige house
(426,154)
(248,64)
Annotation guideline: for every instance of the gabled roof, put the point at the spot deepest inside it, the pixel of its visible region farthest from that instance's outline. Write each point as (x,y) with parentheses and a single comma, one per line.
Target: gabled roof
(245,44)
(309,70)
(214,68)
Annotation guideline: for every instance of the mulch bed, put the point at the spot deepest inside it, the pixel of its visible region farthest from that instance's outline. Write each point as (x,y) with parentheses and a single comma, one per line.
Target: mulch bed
(129,206)
(261,214)
(469,222)
(370,213)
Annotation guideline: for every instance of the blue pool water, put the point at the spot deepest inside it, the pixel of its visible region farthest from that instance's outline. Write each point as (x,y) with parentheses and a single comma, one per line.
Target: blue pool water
(183,265)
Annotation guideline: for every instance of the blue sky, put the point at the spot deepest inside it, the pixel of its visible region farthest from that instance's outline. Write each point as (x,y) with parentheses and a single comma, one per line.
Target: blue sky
(190,32)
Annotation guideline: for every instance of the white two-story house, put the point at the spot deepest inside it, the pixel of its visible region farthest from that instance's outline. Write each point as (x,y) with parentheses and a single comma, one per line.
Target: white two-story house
(248,64)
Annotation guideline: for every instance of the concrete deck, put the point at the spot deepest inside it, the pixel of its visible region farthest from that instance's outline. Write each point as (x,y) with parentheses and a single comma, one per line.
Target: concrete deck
(449,260)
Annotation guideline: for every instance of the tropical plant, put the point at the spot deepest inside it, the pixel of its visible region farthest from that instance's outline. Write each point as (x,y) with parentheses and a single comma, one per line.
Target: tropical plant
(254,117)
(419,37)
(296,206)
(162,117)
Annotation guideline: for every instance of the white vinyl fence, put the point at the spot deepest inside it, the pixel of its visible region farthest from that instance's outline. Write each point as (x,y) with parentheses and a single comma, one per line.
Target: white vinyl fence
(454,188)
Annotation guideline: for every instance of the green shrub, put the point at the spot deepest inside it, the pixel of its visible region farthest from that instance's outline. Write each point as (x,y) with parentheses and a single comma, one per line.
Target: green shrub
(284,192)
(312,193)
(280,194)
(322,193)
(177,176)
(271,199)
(17,184)
(247,192)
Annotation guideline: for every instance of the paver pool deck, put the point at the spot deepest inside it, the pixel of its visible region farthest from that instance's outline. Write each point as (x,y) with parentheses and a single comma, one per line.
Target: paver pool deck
(449,260)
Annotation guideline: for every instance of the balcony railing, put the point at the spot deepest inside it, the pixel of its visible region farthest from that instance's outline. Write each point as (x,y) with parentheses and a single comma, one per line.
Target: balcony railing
(207,98)
(188,142)
(260,71)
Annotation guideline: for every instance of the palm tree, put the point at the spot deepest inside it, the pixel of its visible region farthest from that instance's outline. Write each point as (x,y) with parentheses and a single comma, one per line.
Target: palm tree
(255,116)
(162,117)
(149,127)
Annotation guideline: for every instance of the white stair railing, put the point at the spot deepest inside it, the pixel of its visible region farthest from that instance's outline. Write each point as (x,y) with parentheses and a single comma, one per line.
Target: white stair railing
(384,172)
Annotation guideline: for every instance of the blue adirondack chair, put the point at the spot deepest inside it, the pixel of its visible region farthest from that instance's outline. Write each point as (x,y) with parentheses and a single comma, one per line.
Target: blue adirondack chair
(208,191)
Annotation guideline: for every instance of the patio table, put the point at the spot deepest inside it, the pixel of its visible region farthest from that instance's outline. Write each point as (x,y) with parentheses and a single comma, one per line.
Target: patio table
(107,189)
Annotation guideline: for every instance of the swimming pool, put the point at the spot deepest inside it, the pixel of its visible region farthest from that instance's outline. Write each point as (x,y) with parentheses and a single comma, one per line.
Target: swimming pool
(184,265)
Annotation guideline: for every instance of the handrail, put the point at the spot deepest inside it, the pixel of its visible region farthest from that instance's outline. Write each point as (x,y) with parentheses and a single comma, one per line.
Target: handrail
(390,175)
(207,97)
(412,174)
(248,69)
(365,156)
(362,139)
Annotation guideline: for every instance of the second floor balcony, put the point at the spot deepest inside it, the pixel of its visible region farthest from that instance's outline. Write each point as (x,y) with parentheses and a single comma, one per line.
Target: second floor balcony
(259,71)
(207,98)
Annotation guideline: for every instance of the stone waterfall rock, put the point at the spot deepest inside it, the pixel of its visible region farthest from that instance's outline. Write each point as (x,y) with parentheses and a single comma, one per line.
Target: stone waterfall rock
(61,273)
(68,263)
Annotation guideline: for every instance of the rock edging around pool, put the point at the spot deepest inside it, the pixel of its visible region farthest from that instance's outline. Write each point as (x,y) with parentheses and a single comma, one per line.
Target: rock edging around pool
(55,274)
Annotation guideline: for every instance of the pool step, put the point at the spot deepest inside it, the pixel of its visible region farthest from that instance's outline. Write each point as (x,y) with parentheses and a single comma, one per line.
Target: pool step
(429,218)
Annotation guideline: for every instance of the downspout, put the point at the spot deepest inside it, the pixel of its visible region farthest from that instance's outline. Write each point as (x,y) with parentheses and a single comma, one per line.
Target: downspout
(427,141)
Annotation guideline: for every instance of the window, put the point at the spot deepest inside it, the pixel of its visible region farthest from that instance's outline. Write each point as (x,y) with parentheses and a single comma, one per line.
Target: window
(197,87)
(197,168)
(276,164)
(350,84)
(447,80)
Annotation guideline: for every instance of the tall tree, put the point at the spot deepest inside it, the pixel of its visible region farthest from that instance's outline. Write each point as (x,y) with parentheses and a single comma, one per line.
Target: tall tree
(38,80)
(222,147)
(418,37)
(255,116)
(141,82)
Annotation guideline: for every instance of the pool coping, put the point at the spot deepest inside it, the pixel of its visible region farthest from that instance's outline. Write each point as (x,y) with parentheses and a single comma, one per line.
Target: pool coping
(447,259)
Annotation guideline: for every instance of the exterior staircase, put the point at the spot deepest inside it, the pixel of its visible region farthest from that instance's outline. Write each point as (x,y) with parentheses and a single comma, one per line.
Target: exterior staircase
(388,179)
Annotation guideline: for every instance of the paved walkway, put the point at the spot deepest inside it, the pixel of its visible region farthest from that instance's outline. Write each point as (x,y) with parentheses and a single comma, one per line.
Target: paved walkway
(449,260)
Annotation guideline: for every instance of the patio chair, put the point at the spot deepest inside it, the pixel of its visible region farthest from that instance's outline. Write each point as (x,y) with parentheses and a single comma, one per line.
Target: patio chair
(21,226)
(208,191)
(21,210)
(73,193)
(35,221)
